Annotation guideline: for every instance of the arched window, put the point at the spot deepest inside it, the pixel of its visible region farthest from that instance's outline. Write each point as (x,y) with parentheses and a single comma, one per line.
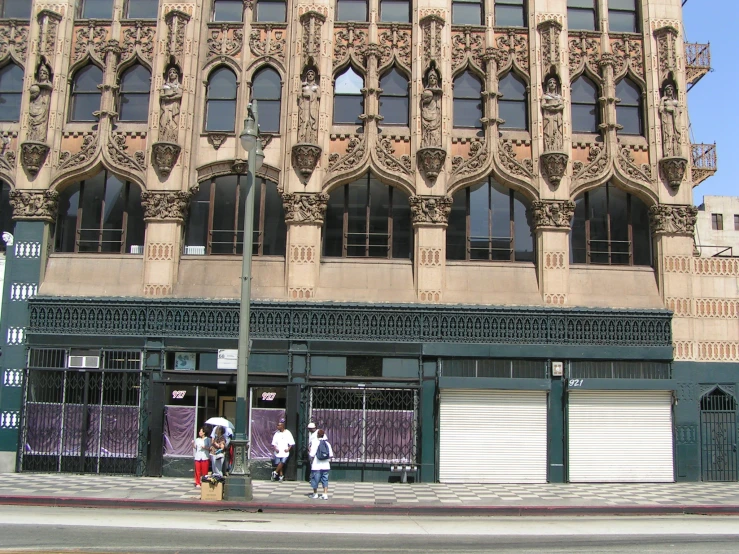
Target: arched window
(467,12)
(582,15)
(488,222)
(395,11)
(510,13)
(623,16)
(86,94)
(467,101)
(585,110)
(220,104)
(215,224)
(134,94)
(367,219)
(394,98)
(271,10)
(142,9)
(11,90)
(348,98)
(6,213)
(513,104)
(266,89)
(629,109)
(13,9)
(96,9)
(228,10)
(100,214)
(351,10)
(610,227)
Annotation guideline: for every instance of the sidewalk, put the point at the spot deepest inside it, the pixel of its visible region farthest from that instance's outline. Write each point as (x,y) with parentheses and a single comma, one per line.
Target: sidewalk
(386,498)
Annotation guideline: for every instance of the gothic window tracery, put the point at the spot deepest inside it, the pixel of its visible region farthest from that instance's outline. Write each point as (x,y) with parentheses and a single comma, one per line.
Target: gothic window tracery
(267,91)
(585,109)
(220,104)
(513,105)
(348,98)
(468,108)
(394,103)
(629,111)
(133,100)
(11,91)
(85,97)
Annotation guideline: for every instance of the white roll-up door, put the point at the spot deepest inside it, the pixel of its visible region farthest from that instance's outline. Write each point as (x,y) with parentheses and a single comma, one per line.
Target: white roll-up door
(492,436)
(623,436)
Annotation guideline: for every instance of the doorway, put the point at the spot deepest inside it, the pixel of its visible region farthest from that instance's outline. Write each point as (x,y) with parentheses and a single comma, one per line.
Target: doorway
(718,436)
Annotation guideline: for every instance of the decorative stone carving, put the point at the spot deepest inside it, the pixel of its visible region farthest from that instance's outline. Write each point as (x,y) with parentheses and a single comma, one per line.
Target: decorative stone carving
(627,53)
(430,209)
(355,151)
(308,109)
(349,43)
(511,163)
(225,40)
(512,49)
(431,111)
(311,21)
(479,154)
(138,39)
(550,53)
(117,151)
(666,218)
(271,46)
(34,205)
(666,51)
(164,156)
(628,165)
(217,139)
(431,162)
(673,169)
(468,46)
(554,166)
(597,163)
(33,156)
(90,40)
(305,208)
(165,206)
(38,107)
(7,157)
(552,106)
(431,26)
(584,51)
(48,27)
(240,166)
(386,155)
(85,154)
(669,117)
(305,158)
(170,98)
(395,43)
(552,213)
(13,40)
(176,22)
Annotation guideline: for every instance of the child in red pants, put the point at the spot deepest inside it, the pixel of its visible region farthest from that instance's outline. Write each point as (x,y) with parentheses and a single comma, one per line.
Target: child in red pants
(201,445)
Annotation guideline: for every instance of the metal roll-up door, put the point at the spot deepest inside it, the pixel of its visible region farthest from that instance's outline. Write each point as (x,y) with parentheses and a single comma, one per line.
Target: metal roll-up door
(492,436)
(620,436)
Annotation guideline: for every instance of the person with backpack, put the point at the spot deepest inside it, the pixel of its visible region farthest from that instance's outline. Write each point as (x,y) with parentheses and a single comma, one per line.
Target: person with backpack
(321,454)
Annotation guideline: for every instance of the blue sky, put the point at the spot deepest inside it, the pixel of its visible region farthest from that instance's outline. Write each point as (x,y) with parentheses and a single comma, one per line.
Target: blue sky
(713,104)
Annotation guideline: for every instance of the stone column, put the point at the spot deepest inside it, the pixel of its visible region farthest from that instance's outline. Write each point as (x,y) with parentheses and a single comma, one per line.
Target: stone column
(430,216)
(551,221)
(304,214)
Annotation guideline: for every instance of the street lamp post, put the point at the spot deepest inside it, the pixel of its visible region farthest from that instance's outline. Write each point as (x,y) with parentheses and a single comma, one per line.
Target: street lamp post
(239,486)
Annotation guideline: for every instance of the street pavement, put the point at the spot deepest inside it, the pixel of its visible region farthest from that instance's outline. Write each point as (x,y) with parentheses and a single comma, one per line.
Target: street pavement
(44,489)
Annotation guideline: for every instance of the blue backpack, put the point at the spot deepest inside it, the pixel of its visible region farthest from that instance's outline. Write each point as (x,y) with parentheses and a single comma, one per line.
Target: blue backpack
(323,452)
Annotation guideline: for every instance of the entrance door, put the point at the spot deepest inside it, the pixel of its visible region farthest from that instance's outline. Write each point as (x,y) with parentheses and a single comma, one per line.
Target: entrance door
(718,436)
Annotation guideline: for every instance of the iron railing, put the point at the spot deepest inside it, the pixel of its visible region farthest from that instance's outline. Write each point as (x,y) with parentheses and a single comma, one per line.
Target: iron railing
(697,62)
(621,369)
(704,162)
(718,436)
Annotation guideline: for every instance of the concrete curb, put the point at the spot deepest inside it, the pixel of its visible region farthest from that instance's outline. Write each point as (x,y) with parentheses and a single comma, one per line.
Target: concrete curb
(366,509)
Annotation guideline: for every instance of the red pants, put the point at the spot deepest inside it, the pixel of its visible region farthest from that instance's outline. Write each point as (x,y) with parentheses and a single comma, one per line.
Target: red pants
(201,468)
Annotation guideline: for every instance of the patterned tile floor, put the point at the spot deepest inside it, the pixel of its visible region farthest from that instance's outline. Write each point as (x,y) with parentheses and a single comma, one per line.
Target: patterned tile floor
(416,494)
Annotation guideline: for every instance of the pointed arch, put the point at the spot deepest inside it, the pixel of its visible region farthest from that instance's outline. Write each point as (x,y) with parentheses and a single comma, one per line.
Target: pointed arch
(395,97)
(468,107)
(133,94)
(630,109)
(513,101)
(584,94)
(266,89)
(11,92)
(718,399)
(348,97)
(85,96)
(220,100)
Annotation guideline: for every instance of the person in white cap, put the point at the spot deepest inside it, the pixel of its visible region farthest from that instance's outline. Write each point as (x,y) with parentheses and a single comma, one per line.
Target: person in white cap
(312,436)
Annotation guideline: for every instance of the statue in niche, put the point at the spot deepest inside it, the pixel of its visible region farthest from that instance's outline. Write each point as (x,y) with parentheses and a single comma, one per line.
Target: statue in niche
(431,112)
(308,109)
(669,115)
(169,99)
(38,108)
(553,106)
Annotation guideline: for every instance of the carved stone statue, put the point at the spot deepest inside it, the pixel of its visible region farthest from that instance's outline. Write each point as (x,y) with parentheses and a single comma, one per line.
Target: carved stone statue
(552,105)
(38,108)
(170,99)
(431,112)
(669,114)
(308,109)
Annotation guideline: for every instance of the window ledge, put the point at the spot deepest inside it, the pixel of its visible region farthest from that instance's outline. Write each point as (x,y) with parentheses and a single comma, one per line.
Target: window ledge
(399,261)
(606,267)
(491,263)
(95,255)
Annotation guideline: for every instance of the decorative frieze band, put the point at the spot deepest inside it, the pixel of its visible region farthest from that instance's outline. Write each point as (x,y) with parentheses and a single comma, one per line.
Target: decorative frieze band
(678,220)
(556,214)
(718,351)
(34,205)
(23,291)
(555,299)
(555,260)
(300,293)
(429,295)
(302,254)
(304,208)
(716,266)
(16,335)
(165,206)
(430,209)
(12,377)
(429,257)
(10,420)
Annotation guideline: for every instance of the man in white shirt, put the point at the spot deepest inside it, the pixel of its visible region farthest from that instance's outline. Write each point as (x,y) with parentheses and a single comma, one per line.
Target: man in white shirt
(282,443)
(312,437)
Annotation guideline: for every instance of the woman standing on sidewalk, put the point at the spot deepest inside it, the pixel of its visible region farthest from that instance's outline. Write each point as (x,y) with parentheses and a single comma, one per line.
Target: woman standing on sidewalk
(201,445)
(321,454)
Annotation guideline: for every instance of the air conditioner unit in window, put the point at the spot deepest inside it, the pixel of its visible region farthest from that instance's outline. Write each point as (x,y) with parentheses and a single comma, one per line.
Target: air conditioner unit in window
(195,250)
(137,249)
(84,362)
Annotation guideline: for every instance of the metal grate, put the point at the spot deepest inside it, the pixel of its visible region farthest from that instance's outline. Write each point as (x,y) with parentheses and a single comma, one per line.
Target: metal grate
(129,360)
(47,358)
(619,369)
(718,436)
(483,367)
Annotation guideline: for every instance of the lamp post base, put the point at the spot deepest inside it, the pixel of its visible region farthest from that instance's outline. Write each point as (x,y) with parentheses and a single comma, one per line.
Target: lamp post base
(238,485)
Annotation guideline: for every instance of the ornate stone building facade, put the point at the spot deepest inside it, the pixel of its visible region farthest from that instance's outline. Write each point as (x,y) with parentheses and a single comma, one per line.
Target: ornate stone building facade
(447,186)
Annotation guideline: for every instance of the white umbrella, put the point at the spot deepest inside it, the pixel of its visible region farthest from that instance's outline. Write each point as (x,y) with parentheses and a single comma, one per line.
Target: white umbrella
(220,421)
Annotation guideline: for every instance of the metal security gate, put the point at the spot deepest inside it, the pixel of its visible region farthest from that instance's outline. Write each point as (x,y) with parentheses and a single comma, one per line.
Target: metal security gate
(367,426)
(83,421)
(718,436)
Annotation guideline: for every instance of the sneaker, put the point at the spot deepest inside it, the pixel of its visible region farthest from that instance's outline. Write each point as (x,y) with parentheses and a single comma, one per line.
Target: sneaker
(281,478)
(324,497)
(274,476)
(314,495)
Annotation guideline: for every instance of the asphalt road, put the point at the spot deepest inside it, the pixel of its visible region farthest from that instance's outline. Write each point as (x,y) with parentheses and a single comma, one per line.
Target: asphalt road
(33,529)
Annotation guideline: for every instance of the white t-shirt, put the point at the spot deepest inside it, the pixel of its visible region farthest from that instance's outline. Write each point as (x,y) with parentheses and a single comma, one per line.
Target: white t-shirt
(282,441)
(201,448)
(311,439)
(317,464)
